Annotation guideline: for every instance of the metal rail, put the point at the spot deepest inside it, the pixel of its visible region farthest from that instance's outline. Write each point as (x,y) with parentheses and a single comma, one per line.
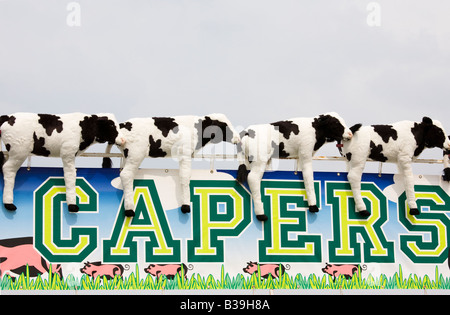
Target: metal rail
(234,157)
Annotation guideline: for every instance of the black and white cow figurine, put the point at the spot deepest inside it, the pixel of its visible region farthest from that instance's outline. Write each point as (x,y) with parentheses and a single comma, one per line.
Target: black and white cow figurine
(401,142)
(63,135)
(294,138)
(162,137)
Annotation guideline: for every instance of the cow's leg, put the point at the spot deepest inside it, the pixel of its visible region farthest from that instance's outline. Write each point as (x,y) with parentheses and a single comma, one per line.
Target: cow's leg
(10,169)
(185,178)
(257,169)
(70,177)
(308,177)
(354,178)
(405,168)
(107,163)
(446,162)
(127,177)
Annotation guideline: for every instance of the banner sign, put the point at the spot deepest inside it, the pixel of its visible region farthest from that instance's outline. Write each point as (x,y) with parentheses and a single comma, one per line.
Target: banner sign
(220,243)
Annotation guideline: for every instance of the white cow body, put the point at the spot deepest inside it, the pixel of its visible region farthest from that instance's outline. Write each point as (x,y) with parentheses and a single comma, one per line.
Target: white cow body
(401,143)
(177,137)
(64,135)
(294,138)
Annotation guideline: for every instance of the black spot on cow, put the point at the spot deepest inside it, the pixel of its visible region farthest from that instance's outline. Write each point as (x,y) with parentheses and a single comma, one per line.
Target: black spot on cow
(386,132)
(50,123)
(286,127)
(328,129)
(88,130)
(376,152)
(166,124)
(127,125)
(427,135)
(155,148)
(10,119)
(278,151)
(125,153)
(348,156)
(38,146)
(8,147)
(211,130)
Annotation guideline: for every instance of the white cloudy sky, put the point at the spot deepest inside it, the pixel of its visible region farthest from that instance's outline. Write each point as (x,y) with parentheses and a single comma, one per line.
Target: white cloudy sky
(257,61)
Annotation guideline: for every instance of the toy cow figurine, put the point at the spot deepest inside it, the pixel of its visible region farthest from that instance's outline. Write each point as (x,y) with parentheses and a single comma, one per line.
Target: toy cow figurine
(64,135)
(401,143)
(178,137)
(294,138)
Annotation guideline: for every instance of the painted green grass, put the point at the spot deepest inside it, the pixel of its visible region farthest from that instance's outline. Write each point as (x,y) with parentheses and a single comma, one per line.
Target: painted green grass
(238,282)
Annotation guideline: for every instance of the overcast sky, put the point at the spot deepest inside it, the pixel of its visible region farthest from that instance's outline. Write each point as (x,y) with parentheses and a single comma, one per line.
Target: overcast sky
(257,61)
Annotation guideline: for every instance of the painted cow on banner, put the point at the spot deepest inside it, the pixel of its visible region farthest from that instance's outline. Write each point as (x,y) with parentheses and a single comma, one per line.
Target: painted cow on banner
(266,269)
(401,143)
(178,137)
(64,136)
(295,138)
(18,253)
(168,270)
(97,269)
(346,270)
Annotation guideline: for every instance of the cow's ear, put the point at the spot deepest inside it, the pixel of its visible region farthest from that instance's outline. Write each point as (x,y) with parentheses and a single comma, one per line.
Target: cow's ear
(355,128)
(427,120)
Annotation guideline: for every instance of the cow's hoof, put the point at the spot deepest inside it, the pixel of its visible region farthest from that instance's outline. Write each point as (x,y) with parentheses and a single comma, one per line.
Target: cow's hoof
(446,176)
(129,213)
(364,213)
(313,209)
(414,211)
(107,163)
(185,208)
(10,206)
(262,217)
(73,208)
(242,174)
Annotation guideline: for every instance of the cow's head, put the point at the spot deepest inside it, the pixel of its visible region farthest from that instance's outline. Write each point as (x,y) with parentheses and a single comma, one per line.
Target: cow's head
(330,127)
(108,130)
(216,128)
(434,135)
(333,127)
(100,128)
